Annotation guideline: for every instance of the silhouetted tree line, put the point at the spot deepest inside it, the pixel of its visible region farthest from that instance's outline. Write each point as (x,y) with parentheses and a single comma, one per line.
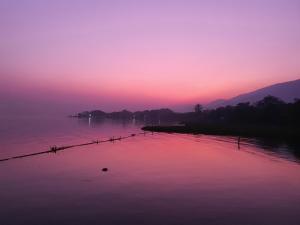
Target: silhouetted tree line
(269,118)
(269,111)
(146,116)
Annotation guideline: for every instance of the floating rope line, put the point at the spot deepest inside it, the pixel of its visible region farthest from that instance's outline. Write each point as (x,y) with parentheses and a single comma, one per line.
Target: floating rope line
(54,149)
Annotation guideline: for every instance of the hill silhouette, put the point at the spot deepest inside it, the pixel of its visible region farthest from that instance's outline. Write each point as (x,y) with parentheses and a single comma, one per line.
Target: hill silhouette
(286,91)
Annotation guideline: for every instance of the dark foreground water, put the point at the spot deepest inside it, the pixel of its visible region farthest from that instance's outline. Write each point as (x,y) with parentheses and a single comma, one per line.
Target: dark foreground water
(154,179)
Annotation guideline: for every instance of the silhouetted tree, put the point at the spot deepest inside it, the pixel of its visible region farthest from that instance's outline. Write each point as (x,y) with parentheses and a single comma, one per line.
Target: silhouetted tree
(268,112)
(269,101)
(198,108)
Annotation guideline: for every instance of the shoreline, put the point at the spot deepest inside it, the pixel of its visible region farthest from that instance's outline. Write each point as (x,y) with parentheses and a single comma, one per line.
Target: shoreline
(253,131)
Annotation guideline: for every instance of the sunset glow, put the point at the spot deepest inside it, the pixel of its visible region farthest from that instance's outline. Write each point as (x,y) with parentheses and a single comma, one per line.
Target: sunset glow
(144,54)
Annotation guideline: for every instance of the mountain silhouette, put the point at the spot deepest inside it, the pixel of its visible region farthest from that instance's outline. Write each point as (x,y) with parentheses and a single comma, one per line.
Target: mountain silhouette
(286,91)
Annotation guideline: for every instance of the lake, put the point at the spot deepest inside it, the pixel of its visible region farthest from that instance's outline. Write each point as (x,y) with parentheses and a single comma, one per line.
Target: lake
(151,179)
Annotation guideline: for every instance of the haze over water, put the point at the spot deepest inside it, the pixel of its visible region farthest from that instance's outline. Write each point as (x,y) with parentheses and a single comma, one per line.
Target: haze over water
(152,179)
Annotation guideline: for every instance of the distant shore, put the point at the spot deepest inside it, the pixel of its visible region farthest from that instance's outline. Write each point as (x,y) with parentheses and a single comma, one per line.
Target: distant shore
(229,130)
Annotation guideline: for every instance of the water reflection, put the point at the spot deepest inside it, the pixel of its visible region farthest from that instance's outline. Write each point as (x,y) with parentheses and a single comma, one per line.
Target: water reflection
(285,149)
(153,179)
(15,132)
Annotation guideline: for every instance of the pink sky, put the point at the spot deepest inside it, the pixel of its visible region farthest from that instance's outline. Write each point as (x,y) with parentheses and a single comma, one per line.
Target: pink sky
(144,54)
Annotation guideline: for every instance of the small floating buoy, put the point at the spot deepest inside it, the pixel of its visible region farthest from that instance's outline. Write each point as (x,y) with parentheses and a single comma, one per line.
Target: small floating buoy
(104,169)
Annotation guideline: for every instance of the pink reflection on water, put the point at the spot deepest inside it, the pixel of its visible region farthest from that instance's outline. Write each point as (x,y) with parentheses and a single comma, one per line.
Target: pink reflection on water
(152,179)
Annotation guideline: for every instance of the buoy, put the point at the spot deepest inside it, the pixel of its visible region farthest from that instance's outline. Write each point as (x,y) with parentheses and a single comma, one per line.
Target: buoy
(104,169)
(54,148)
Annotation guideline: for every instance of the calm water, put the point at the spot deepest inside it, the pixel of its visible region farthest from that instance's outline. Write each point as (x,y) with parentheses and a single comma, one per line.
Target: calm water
(153,179)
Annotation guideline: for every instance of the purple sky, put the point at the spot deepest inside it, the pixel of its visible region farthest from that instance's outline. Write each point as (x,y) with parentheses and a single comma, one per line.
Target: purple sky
(77,55)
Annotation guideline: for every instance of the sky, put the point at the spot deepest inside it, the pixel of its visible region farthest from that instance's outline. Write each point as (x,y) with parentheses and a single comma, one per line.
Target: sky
(71,55)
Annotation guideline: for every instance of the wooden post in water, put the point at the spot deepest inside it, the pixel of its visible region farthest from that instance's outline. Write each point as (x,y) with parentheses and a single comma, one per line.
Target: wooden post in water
(239,140)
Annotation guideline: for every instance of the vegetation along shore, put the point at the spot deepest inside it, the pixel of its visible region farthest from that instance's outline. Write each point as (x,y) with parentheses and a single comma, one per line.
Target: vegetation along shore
(269,118)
